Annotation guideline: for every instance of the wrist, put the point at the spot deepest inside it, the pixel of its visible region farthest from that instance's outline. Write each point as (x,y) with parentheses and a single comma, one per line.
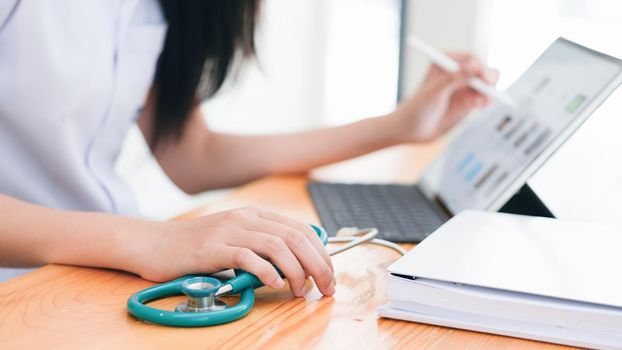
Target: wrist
(138,244)
(399,127)
(153,251)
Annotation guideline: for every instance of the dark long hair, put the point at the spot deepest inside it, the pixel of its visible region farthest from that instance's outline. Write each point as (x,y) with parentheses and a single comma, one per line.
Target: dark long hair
(203,40)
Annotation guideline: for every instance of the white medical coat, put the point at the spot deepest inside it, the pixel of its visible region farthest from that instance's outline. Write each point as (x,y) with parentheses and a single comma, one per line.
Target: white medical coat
(74,75)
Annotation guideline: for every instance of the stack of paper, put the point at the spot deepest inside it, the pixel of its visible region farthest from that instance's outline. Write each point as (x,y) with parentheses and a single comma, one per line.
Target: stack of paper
(520,276)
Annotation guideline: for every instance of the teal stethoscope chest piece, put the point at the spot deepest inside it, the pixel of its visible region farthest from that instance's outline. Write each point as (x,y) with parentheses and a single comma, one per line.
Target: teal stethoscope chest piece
(201,292)
(202,308)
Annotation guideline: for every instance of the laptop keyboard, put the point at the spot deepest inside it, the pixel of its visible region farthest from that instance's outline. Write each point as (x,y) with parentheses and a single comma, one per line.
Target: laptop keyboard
(400,212)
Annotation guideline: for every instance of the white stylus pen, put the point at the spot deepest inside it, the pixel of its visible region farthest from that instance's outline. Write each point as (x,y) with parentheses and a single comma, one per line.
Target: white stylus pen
(446,63)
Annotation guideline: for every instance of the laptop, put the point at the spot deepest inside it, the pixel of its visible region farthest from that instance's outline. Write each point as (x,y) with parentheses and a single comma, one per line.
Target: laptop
(490,159)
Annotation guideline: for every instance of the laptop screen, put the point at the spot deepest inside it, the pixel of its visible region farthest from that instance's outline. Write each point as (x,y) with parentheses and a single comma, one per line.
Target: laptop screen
(499,148)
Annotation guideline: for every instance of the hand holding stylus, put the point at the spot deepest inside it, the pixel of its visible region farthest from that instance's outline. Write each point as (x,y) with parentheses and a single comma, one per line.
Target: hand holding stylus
(443,99)
(448,64)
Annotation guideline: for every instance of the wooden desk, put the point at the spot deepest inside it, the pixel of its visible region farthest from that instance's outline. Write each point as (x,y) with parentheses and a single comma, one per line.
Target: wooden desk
(73,307)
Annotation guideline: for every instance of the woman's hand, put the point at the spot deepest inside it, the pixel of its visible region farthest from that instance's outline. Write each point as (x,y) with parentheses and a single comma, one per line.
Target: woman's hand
(442,100)
(250,239)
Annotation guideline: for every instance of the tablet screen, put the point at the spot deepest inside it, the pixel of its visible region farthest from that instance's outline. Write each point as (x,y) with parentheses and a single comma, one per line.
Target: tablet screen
(499,145)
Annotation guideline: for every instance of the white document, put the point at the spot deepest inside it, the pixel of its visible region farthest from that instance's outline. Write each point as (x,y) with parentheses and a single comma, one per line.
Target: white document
(509,328)
(520,276)
(540,256)
(412,295)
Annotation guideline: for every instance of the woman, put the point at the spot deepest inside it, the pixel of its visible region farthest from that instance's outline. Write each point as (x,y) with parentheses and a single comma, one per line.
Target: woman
(75,75)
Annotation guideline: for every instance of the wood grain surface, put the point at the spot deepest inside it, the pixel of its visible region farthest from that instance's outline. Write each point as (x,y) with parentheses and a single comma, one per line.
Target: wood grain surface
(65,307)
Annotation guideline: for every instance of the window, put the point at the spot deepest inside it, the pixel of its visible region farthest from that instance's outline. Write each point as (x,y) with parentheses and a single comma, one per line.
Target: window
(320,62)
(521,30)
(362,59)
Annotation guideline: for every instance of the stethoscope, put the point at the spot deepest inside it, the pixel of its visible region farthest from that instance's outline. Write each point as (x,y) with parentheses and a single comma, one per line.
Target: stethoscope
(203,308)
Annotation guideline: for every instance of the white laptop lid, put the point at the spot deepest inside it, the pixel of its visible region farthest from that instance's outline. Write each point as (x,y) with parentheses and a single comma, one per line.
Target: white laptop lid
(500,148)
(539,256)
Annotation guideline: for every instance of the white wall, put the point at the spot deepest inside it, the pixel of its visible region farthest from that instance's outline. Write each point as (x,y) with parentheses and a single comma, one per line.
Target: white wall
(450,25)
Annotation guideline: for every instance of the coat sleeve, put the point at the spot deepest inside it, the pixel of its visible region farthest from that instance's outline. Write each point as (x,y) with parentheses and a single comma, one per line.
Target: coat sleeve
(7,8)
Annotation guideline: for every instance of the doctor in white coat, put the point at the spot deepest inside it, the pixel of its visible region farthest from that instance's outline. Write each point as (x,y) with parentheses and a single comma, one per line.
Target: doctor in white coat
(75,75)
